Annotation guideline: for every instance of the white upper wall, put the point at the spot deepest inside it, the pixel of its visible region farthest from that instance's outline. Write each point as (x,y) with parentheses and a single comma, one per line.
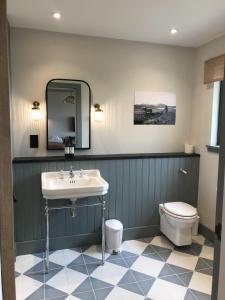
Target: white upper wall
(201,133)
(114,69)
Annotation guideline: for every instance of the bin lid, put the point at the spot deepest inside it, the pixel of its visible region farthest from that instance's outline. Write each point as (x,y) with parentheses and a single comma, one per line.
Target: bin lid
(114,224)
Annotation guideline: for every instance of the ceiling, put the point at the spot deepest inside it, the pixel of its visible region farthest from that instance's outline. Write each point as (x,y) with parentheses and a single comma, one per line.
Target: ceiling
(198,21)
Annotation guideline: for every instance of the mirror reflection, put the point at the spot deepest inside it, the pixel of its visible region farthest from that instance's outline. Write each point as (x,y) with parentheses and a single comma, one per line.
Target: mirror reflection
(68,114)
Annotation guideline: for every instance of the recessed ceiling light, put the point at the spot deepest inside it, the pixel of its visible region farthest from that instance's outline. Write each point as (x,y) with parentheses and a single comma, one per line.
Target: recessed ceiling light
(56,15)
(173,31)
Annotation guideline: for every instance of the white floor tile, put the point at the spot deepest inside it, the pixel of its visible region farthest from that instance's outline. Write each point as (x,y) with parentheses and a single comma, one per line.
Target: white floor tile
(63,257)
(207,252)
(161,241)
(148,266)
(70,297)
(164,290)
(96,252)
(67,280)
(182,260)
(110,273)
(199,239)
(26,262)
(201,282)
(25,286)
(118,293)
(133,246)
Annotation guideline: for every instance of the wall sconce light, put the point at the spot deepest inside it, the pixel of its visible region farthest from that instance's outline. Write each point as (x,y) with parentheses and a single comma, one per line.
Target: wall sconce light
(99,115)
(36,113)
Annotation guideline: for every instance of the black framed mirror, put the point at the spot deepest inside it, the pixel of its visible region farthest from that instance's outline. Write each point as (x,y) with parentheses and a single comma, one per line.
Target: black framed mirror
(68,104)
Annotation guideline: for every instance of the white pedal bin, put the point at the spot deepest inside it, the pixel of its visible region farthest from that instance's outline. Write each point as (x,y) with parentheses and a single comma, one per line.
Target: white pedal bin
(114,235)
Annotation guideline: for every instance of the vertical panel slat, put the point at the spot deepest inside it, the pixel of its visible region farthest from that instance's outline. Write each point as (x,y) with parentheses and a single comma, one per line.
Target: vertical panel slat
(41,216)
(182,180)
(145,192)
(36,199)
(119,188)
(164,180)
(29,200)
(97,228)
(176,180)
(91,212)
(151,191)
(126,188)
(138,198)
(157,198)
(170,180)
(132,193)
(19,206)
(112,190)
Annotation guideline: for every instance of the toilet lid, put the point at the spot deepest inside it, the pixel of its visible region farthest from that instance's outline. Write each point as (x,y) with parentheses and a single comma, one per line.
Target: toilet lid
(180,209)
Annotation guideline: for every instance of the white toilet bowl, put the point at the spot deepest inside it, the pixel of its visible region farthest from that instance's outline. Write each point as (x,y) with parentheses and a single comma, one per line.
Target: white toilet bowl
(178,222)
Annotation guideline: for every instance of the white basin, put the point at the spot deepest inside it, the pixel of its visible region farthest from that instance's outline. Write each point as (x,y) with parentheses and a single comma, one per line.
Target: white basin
(56,186)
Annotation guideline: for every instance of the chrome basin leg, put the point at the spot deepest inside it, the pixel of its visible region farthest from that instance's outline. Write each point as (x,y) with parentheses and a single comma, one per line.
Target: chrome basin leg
(103,230)
(47,237)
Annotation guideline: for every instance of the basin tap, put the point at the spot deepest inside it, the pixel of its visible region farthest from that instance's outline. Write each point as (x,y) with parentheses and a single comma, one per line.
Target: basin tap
(81,173)
(61,174)
(71,174)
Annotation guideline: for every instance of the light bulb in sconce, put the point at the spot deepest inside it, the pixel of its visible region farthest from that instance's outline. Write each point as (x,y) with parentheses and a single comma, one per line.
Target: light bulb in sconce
(99,115)
(36,113)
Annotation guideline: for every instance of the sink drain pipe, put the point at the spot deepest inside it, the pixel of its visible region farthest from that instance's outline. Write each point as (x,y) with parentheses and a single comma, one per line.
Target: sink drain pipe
(73,208)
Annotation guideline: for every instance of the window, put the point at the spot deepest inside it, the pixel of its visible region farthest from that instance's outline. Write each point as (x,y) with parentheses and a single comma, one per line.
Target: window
(220,112)
(216,116)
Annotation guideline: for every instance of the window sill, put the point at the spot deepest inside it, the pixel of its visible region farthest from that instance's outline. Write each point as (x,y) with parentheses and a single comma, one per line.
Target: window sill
(214,149)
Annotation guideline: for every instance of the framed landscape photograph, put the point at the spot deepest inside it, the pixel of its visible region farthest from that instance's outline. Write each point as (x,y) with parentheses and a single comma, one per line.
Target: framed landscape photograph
(154,108)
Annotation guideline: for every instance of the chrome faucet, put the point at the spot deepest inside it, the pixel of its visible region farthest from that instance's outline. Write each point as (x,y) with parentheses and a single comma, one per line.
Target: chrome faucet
(61,174)
(81,173)
(71,172)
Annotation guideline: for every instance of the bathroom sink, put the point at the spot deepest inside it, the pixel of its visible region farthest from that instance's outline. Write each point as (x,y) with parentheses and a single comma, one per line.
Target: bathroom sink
(85,183)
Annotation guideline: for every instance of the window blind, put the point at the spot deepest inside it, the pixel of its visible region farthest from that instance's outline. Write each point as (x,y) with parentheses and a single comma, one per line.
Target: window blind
(214,69)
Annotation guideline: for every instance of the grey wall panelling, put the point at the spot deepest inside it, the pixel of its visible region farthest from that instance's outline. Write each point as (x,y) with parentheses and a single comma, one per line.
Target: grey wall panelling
(136,187)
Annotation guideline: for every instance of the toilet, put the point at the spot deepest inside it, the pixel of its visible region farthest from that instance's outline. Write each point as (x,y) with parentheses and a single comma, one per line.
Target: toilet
(178,222)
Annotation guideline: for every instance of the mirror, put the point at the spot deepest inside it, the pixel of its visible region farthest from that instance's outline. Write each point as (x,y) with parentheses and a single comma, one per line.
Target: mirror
(68,113)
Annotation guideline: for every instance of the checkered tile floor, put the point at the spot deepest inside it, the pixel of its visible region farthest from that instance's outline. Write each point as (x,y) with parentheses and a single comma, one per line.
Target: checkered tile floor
(149,268)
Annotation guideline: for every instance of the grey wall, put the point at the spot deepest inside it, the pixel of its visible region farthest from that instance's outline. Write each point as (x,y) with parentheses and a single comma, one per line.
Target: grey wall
(114,69)
(137,186)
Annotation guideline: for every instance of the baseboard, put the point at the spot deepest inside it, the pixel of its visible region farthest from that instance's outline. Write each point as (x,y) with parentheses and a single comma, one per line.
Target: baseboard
(88,239)
(207,233)
(140,232)
(95,238)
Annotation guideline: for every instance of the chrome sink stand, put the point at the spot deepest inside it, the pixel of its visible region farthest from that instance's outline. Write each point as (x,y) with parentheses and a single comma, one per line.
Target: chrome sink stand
(101,202)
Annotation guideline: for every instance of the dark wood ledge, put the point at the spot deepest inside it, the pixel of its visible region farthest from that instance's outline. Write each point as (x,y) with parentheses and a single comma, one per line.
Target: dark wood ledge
(102,157)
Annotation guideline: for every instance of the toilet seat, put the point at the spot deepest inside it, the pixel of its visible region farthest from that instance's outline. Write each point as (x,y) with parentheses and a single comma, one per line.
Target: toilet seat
(180,210)
(179,218)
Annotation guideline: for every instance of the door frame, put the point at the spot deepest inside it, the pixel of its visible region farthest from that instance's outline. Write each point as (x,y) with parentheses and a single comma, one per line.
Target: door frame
(6,194)
(219,206)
